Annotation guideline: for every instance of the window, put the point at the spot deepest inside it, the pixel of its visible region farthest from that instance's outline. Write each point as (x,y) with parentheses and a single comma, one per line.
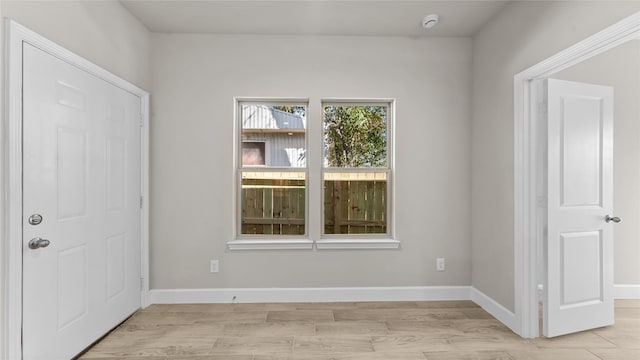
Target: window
(356,169)
(272,170)
(350,164)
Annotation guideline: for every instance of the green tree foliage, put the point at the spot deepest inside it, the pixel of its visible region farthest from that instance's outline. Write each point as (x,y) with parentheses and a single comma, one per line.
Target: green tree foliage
(355,136)
(292,109)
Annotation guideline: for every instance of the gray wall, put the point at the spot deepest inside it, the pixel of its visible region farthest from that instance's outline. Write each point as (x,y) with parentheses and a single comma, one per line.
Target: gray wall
(101,31)
(194,81)
(620,68)
(523,34)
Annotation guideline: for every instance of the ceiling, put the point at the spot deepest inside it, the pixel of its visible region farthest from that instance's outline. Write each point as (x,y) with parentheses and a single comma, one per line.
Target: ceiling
(314,17)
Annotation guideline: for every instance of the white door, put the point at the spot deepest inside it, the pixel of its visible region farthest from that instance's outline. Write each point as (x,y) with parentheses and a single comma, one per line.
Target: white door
(81,170)
(579,249)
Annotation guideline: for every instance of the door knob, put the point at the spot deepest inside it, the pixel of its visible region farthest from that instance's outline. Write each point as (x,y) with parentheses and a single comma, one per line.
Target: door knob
(615,219)
(37,243)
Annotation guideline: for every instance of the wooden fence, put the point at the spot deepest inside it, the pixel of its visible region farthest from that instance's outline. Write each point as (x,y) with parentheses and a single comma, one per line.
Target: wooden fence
(355,207)
(273,207)
(277,207)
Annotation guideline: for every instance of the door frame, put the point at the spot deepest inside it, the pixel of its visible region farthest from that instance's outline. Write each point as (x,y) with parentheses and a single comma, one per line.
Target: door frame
(526,144)
(15,35)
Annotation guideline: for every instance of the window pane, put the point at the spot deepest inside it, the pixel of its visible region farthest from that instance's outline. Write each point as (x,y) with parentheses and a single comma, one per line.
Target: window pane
(273,203)
(355,203)
(281,130)
(253,153)
(355,136)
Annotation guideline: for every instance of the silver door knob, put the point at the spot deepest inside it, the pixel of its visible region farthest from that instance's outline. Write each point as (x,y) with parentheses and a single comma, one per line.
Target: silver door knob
(615,219)
(37,243)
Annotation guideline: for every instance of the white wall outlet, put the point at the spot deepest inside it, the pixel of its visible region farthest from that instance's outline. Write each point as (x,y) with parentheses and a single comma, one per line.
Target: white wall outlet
(214,266)
(440,264)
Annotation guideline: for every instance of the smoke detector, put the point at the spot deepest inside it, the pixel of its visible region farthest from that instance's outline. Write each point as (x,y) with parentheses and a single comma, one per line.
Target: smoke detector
(430,21)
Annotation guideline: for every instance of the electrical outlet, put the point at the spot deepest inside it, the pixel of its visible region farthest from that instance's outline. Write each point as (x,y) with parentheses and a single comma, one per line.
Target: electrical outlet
(440,264)
(214,266)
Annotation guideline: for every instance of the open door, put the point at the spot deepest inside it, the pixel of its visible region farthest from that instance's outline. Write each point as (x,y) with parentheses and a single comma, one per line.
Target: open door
(579,247)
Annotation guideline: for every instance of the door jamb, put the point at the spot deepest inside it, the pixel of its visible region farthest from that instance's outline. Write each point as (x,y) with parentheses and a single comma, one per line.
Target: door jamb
(15,35)
(525,142)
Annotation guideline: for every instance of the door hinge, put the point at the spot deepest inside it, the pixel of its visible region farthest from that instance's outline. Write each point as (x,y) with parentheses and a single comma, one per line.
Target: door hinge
(542,109)
(141,201)
(541,201)
(141,120)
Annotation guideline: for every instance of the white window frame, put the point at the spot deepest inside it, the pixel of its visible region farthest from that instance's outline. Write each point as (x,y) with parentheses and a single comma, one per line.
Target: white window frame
(362,241)
(265,242)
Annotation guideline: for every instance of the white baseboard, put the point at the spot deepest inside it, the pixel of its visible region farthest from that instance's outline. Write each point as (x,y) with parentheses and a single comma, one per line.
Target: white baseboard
(631,291)
(267,295)
(498,311)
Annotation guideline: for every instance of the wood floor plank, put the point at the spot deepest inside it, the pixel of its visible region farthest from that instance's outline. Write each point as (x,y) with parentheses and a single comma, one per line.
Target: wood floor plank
(399,314)
(199,308)
(245,345)
(584,340)
(627,303)
(128,358)
(468,355)
(410,343)
(448,304)
(627,313)
(210,357)
(192,318)
(332,344)
(271,328)
(362,327)
(616,354)
(435,328)
(345,356)
(482,326)
(300,315)
(548,354)
(325,306)
(490,342)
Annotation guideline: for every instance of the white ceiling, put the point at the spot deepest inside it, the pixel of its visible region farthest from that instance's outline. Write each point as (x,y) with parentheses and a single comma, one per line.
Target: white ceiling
(314,17)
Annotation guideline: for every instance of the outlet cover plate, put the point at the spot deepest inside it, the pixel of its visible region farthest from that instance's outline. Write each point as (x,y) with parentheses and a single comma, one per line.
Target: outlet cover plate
(214,266)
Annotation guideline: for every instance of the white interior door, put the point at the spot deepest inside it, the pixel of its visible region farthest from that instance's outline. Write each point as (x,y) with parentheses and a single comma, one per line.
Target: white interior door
(579,249)
(82,171)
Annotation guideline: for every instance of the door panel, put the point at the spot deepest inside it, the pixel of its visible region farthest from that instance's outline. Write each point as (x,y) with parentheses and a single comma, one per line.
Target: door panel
(581,147)
(580,268)
(579,249)
(82,174)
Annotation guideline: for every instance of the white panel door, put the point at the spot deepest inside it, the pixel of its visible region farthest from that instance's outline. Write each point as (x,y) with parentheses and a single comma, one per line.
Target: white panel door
(579,249)
(82,176)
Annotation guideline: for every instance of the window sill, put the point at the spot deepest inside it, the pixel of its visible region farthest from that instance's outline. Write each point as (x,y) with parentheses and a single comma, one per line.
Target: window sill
(294,244)
(337,244)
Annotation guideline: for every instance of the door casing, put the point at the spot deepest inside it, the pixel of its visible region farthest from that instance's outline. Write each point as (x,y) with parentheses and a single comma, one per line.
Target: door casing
(526,171)
(15,35)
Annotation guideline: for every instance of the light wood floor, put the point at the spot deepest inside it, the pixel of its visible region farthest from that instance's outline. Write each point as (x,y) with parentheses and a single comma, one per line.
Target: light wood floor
(456,330)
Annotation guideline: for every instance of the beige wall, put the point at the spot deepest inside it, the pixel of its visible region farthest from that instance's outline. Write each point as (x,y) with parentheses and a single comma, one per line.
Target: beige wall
(523,34)
(194,81)
(100,31)
(620,68)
